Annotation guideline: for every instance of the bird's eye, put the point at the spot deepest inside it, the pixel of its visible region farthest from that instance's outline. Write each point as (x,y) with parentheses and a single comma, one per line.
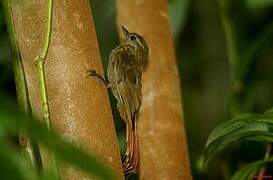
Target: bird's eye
(133,38)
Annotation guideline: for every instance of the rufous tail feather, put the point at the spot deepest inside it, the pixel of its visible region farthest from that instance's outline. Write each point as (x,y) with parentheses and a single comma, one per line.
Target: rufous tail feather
(131,159)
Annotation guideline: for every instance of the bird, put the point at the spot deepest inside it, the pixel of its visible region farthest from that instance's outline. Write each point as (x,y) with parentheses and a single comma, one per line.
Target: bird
(124,78)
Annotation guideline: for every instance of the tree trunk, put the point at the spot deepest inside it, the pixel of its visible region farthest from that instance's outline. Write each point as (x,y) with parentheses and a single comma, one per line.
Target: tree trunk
(163,146)
(79,107)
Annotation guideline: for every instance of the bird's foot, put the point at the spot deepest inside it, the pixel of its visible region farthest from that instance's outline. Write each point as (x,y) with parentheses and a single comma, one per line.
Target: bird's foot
(93,73)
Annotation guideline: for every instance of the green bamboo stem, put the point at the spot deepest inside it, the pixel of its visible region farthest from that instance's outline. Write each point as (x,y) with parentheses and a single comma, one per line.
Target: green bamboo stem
(39,62)
(26,144)
(43,93)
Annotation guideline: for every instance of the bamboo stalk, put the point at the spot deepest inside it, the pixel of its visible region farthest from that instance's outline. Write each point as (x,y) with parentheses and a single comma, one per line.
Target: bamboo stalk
(79,106)
(162,138)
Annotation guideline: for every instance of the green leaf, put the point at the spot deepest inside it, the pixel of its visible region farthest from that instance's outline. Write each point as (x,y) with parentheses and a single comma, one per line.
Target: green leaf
(13,120)
(253,127)
(229,127)
(249,171)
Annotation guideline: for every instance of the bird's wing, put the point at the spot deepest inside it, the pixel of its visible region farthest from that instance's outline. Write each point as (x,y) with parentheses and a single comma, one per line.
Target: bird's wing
(126,79)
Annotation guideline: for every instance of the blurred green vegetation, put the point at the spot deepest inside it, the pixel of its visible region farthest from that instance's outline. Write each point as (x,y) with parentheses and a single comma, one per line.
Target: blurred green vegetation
(224,54)
(14,165)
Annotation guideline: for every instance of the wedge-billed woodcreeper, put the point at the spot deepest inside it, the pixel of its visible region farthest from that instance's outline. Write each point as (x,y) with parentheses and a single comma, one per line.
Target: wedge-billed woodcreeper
(124,77)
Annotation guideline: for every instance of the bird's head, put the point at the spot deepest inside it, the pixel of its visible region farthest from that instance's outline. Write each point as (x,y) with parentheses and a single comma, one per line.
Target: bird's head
(137,41)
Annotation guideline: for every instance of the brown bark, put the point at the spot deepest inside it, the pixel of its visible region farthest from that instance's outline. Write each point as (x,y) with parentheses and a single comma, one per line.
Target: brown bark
(163,146)
(79,107)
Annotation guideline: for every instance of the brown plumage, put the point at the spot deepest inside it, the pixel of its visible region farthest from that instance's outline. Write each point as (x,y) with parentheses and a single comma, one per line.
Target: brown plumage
(124,73)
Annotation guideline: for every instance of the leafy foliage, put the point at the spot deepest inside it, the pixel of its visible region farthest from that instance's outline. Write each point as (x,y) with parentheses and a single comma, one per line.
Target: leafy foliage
(254,127)
(249,171)
(257,127)
(13,121)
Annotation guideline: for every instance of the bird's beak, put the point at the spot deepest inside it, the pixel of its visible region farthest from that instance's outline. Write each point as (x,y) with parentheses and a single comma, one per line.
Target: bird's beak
(125,32)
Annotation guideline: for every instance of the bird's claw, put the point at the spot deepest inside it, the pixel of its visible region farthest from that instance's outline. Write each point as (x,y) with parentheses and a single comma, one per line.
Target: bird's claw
(92,72)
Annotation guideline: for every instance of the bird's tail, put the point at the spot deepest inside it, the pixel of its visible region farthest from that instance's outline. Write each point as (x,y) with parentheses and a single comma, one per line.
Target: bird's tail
(131,158)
